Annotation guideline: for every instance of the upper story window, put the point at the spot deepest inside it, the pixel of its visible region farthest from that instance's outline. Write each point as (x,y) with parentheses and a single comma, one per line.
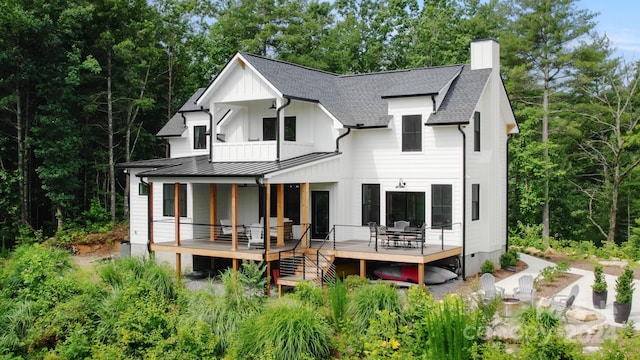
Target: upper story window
(290,128)
(199,137)
(475,201)
(168,200)
(269,128)
(412,133)
(476,131)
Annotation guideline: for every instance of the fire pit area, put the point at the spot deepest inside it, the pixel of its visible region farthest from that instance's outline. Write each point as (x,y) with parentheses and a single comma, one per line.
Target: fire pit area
(510,306)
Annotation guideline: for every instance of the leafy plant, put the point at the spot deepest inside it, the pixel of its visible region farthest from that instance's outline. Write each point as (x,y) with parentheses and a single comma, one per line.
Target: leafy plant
(541,337)
(625,286)
(599,283)
(488,267)
(507,259)
(309,294)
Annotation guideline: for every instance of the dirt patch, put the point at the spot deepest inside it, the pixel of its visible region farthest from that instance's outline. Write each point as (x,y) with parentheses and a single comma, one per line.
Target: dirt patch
(99,246)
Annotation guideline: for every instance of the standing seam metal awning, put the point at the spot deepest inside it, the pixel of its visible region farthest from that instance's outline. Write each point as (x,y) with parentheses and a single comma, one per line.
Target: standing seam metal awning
(199,166)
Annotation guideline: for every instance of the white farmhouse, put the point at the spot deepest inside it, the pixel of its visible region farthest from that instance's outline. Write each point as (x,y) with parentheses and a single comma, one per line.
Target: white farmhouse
(405,166)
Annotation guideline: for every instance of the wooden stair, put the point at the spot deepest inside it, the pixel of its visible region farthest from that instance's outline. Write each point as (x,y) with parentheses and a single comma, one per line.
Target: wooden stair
(306,269)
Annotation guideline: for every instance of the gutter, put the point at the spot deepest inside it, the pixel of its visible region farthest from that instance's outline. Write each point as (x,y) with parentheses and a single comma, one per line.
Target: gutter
(278,130)
(212,132)
(464,202)
(506,208)
(340,137)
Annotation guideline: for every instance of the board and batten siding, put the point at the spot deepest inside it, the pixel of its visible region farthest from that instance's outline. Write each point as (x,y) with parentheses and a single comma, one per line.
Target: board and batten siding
(138,219)
(376,157)
(183,145)
(486,236)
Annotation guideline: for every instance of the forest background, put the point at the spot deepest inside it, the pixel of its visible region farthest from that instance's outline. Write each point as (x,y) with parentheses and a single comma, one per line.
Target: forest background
(85,84)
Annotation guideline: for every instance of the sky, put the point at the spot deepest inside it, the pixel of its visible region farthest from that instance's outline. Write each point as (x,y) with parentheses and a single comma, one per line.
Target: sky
(620,21)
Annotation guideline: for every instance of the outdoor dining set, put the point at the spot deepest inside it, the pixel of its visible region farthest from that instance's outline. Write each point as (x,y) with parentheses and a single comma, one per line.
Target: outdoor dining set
(400,235)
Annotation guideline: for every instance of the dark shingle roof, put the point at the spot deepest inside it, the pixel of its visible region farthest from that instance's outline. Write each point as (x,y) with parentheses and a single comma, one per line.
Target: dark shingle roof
(199,166)
(175,125)
(462,97)
(353,99)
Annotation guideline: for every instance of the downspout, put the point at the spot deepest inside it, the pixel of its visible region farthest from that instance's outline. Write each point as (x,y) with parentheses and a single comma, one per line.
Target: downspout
(149,215)
(278,130)
(433,100)
(506,207)
(464,202)
(212,132)
(340,137)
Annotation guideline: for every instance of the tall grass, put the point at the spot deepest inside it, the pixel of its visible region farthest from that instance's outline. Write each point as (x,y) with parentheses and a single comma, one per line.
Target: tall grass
(339,302)
(286,330)
(124,271)
(452,329)
(367,299)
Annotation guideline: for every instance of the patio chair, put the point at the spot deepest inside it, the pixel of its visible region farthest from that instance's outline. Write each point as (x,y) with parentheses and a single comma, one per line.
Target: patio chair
(382,235)
(488,288)
(562,303)
(410,234)
(525,290)
(256,232)
(400,224)
(226,228)
(373,232)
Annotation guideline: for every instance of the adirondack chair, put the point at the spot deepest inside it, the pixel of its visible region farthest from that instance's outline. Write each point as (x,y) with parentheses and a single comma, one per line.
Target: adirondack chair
(488,289)
(256,232)
(562,303)
(525,290)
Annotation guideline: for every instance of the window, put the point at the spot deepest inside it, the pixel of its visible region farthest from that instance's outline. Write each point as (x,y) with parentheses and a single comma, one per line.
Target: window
(199,137)
(476,131)
(412,133)
(291,202)
(269,129)
(475,201)
(143,189)
(406,206)
(168,200)
(441,206)
(290,128)
(370,203)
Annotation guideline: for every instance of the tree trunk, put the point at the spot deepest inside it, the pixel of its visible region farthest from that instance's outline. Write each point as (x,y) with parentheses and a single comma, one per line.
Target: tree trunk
(110,132)
(545,153)
(613,210)
(24,205)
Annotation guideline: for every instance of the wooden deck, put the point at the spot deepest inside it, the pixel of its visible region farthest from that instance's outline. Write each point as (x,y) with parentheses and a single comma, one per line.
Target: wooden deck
(350,249)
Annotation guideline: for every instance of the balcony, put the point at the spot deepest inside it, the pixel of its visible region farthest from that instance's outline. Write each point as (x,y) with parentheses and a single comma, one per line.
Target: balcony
(258,150)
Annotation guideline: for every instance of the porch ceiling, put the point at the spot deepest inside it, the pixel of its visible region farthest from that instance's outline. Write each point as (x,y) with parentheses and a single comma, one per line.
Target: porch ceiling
(199,166)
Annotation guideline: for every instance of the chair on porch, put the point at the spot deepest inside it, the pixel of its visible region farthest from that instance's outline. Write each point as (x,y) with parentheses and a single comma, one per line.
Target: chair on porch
(382,234)
(410,234)
(256,235)
(525,290)
(400,224)
(226,228)
(373,232)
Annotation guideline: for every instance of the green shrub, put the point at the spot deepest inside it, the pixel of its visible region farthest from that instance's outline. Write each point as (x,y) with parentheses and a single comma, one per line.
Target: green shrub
(527,235)
(541,338)
(354,281)
(287,329)
(309,294)
(383,338)
(367,299)
(487,267)
(25,273)
(599,283)
(507,260)
(625,286)
(125,271)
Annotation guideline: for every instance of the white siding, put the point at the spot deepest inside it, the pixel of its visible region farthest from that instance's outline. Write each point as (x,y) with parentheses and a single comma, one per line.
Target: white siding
(242,85)
(183,145)
(138,224)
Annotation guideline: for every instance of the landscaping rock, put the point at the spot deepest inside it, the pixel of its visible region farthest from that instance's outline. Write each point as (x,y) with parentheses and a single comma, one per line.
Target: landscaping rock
(532,251)
(617,263)
(544,302)
(583,315)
